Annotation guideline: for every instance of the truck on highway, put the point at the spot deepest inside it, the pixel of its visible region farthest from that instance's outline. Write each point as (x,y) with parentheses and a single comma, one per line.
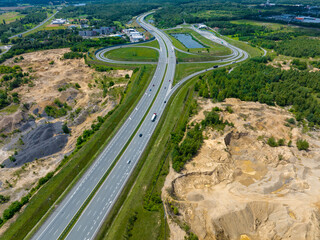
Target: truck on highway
(153,118)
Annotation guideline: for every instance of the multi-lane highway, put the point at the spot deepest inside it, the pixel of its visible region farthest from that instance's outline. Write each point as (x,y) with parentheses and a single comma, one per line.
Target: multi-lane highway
(136,131)
(88,222)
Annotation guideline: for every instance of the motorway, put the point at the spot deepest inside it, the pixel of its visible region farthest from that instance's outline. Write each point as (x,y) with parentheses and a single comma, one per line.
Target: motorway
(103,200)
(153,101)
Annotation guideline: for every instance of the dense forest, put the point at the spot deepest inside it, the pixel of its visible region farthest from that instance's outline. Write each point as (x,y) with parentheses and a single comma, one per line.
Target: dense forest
(255,81)
(101,15)
(33,17)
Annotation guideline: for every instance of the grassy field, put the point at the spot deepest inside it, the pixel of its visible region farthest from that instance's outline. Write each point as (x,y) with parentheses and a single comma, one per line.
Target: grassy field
(10,109)
(133,54)
(9,17)
(153,168)
(183,70)
(153,43)
(41,202)
(252,51)
(50,27)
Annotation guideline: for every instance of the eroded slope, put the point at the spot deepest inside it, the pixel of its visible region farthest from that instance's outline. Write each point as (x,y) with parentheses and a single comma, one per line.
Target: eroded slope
(239,187)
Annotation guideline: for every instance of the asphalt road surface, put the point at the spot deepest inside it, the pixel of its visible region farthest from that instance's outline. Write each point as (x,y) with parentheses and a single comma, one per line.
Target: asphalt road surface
(93,215)
(39,25)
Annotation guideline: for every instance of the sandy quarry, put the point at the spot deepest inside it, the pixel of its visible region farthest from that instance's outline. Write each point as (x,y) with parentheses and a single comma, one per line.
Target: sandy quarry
(238,187)
(16,181)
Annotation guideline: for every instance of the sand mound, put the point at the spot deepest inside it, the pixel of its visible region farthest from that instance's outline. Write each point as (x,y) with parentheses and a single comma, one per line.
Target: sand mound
(238,187)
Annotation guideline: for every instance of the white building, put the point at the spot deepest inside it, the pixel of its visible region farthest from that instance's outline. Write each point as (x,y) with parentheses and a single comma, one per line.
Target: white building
(201,26)
(59,21)
(134,35)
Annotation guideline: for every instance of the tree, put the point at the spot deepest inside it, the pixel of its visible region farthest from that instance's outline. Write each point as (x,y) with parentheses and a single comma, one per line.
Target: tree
(4,40)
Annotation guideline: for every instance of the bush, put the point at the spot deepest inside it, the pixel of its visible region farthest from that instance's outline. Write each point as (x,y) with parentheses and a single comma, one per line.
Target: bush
(302,144)
(45,179)
(65,129)
(4,199)
(13,208)
(72,55)
(281,142)
(291,121)
(229,109)
(272,142)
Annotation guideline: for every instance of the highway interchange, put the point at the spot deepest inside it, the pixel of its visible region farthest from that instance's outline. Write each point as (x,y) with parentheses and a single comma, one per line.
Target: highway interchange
(132,137)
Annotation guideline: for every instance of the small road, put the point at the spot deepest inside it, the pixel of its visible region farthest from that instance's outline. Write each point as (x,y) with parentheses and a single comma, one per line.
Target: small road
(39,25)
(101,55)
(5,48)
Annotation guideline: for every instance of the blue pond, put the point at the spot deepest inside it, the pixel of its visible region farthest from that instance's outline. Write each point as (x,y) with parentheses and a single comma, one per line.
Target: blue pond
(187,40)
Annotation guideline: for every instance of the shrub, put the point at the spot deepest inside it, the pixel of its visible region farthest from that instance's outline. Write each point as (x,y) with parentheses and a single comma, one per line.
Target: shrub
(272,142)
(302,144)
(45,179)
(13,208)
(65,129)
(4,199)
(281,142)
(291,121)
(229,109)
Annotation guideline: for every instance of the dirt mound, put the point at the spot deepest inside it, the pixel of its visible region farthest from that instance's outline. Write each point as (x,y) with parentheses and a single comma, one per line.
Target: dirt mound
(36,139)
(10,122)
(239,187)
(43,141)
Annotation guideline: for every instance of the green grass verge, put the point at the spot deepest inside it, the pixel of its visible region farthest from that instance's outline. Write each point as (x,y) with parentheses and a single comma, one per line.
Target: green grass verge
(149,176)
(153,43)
(10,109)
(252,51)
(184,70)
(133,54)
(41,202)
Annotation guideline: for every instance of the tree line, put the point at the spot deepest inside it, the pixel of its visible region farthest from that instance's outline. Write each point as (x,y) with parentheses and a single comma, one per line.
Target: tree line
(255,81)
(33,17)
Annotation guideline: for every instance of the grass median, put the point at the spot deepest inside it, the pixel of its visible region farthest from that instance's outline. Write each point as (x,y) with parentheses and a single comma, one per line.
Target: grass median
(41,202)
(133,54)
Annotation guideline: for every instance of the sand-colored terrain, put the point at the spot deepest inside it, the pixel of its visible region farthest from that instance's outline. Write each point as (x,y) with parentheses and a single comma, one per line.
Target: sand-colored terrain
(238,187)
(48,78)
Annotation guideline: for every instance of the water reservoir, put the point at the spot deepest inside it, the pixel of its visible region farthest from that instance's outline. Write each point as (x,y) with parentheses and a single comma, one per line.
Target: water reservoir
(187,40)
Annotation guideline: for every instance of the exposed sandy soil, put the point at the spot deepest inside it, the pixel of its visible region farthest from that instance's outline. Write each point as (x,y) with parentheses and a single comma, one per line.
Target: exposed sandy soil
(284,65)
(15,182)
(238,187)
